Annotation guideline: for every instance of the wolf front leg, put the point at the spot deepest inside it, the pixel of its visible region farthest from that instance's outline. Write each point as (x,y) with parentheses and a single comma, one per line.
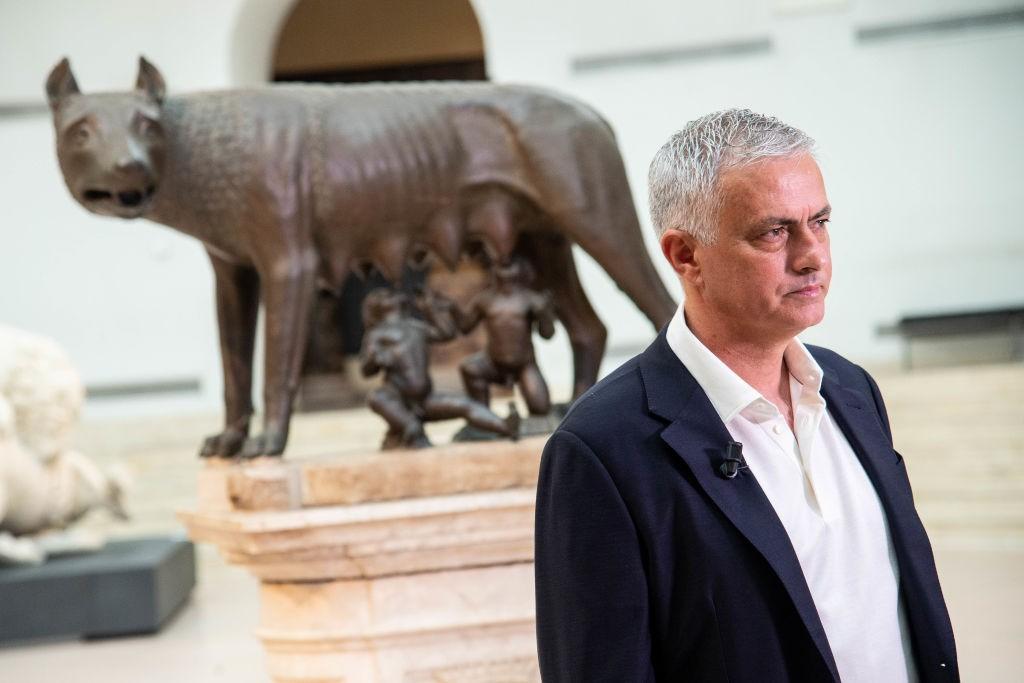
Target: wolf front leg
(238,295)
(288,287)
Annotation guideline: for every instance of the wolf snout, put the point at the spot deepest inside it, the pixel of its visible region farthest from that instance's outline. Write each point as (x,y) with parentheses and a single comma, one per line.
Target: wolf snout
(94,195)
(130,198)
(135,197)
(133,182)
(129,166)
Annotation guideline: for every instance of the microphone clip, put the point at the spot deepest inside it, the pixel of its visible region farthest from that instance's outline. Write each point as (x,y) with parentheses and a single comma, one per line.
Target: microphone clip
(733,461)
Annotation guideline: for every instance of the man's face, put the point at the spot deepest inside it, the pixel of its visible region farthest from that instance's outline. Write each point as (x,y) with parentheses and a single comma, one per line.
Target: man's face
(766,276)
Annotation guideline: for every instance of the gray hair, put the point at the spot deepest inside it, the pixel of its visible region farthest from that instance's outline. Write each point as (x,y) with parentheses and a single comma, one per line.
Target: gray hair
(684,175)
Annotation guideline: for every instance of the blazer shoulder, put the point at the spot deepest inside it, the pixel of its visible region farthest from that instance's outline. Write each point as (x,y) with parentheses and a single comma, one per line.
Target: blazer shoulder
(852,376)
(603,410)
(846,371)
(829,357)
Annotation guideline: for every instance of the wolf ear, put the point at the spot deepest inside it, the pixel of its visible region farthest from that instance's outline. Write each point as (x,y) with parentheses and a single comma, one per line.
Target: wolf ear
(150,81)
(61,83)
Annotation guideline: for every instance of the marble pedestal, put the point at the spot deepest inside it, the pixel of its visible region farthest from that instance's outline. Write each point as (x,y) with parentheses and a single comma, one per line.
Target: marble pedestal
(396,567)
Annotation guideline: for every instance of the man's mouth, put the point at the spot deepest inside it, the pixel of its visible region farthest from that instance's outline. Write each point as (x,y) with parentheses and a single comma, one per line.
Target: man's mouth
(810,291)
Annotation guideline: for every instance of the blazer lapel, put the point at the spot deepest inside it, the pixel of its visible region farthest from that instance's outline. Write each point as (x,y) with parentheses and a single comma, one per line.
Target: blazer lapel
(698,436)
(857,417)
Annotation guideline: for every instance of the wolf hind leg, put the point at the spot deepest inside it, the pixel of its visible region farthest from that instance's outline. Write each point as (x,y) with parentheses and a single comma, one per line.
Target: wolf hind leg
(556,272)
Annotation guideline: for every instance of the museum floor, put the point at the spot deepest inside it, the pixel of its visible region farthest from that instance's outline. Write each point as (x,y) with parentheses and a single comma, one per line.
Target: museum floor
(961,431)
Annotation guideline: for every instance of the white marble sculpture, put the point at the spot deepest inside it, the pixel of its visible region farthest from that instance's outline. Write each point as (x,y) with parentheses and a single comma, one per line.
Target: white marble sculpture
(45,485)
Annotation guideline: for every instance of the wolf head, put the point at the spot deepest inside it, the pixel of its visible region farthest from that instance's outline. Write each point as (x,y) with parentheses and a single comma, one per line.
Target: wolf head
(111,146)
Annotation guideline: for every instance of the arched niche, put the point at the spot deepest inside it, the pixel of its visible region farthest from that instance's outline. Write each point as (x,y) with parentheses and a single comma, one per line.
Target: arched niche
(379,40)
(260,24)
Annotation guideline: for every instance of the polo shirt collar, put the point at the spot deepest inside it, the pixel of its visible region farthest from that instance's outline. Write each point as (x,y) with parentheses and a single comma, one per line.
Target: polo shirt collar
(728,392)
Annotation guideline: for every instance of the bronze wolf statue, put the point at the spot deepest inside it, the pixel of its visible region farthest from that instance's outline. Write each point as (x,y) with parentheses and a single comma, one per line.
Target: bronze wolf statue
(292,187)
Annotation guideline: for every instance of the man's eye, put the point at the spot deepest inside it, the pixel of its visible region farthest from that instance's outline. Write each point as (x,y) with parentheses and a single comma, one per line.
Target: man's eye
(823,222)
(774,234)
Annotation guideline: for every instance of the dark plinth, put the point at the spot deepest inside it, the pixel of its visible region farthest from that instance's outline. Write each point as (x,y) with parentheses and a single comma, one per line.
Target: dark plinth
(129,587)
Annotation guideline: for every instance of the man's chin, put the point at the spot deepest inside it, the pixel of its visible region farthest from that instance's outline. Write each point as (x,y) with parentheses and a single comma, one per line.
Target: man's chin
(798,319)
(812,319)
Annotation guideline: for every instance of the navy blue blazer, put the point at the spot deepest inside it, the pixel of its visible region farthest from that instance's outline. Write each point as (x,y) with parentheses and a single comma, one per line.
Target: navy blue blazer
(651,566)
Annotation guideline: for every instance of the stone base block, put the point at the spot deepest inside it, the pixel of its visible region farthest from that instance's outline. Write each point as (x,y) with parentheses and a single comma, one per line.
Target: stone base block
(397,567)
(462,625)
(128,587)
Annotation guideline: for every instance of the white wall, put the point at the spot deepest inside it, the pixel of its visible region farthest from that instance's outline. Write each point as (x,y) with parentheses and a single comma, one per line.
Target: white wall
(919,137)
(920,142)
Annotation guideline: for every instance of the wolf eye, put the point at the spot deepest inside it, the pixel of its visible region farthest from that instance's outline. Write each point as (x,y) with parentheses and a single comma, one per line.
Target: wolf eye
(147,127)
(81,134)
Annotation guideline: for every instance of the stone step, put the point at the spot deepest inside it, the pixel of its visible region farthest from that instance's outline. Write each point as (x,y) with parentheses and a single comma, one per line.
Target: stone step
(952,454)
(988,468)
(958,422)
(957,425)
(1003,515)
(970,378)
(953,426)
(982,494)
(977,394)
(982,489)
(1008,455)
(916,452)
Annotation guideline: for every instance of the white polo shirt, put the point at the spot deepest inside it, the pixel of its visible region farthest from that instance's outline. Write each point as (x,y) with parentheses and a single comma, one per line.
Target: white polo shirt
(826,503)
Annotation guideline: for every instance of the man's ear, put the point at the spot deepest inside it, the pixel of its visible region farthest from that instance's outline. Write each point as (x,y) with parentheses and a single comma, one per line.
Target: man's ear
(681,251)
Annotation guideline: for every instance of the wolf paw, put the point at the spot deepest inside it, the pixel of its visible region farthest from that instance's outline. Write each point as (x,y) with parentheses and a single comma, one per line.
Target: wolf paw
(224,445)
(268,443)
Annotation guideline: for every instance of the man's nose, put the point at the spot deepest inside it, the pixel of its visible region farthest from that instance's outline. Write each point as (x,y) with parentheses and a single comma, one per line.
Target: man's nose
(809,248)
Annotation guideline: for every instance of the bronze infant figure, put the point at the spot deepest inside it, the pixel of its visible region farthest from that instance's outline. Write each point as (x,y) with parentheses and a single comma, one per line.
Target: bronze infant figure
(292,187)
(397,344)
(509,311)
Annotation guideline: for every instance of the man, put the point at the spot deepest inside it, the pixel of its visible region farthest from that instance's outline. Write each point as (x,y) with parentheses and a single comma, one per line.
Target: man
(665,554)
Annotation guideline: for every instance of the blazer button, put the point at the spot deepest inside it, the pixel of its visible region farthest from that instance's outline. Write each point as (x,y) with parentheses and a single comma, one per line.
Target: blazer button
(943,665)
